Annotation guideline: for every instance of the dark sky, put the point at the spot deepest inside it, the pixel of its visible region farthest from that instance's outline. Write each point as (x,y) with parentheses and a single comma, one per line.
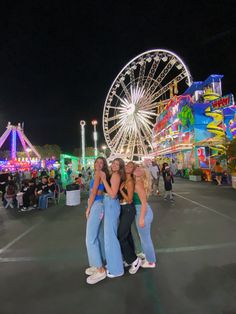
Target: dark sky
(58,59)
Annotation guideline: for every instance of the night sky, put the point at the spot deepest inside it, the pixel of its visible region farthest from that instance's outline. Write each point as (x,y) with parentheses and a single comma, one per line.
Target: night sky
(57,61)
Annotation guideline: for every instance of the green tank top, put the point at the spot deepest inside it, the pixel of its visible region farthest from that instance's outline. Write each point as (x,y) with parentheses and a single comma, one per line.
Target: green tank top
(136,199)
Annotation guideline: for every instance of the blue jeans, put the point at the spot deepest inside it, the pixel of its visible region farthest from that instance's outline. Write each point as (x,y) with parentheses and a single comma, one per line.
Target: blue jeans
(145,233)
(94,234)
(43,200)
(112,246)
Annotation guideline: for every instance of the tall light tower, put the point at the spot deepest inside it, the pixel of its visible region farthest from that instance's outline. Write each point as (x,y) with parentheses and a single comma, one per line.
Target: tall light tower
(82,124)
(95,137)
(104,150)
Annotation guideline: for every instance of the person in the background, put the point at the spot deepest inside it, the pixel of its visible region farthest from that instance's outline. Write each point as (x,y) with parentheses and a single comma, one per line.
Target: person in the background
(168,180)
(69,174)
(34,175)
(10,194)
(173,167)
(80,181)
(155,174)
(163,170)
(218,171)
(29,197)
(48,189)
(52,173)
(43,172)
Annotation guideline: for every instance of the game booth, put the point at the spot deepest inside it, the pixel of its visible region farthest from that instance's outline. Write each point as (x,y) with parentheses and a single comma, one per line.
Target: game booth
(195,127)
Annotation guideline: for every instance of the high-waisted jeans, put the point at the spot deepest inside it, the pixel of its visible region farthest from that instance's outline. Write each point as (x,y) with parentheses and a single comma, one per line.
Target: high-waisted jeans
(94,234)
(112,245)
(145,233)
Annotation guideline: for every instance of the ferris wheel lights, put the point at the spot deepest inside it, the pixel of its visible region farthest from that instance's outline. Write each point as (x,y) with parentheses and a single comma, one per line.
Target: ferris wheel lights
(94,122)
(141,62)
(165,58)
(179,66)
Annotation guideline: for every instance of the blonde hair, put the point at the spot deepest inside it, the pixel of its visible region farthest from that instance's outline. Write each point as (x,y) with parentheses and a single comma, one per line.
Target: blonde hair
(147,180)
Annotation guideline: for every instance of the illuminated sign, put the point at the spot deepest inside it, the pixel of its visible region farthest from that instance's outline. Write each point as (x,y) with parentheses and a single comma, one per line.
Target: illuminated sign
(223,102)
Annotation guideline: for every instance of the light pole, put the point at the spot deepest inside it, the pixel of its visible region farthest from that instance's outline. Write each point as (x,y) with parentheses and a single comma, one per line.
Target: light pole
(95,137)
(82,124)
(104,150)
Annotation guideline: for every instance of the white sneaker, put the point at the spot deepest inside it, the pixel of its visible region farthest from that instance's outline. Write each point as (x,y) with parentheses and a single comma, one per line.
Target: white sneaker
(96,277)
(126,264)
(91,270)
(146,264)
(135,266)
(24,209)
(109,275)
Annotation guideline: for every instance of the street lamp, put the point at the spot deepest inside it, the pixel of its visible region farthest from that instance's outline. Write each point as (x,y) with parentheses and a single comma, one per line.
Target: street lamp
(95,137)
(82,124)
(104,149)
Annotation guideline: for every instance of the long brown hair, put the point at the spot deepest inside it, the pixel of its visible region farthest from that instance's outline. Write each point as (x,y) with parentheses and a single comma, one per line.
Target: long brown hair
(105,165)
(121,169)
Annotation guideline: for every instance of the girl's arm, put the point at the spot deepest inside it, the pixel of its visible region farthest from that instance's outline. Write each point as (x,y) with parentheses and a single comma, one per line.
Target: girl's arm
(143,198)
(93,193)
(130,192)
(115,183)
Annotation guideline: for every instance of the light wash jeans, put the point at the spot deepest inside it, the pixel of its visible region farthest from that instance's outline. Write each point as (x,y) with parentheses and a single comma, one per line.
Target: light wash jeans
(94,234)
(112,246)
(145,233)
(43,200)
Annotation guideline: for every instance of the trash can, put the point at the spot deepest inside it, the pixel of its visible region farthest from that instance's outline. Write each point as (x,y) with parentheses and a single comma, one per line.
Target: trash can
(72,194)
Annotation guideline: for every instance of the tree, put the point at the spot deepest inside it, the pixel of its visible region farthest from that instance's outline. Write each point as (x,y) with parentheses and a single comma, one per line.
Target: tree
(49,151)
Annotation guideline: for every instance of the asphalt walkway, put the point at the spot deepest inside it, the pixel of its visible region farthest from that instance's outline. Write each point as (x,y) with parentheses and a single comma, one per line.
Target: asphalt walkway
(43,258)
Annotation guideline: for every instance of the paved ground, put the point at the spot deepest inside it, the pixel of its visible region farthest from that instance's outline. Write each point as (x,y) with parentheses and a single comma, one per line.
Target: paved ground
(43,257)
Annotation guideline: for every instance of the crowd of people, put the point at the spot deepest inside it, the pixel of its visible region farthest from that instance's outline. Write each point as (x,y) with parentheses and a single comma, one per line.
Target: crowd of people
(118,198)
(29,190)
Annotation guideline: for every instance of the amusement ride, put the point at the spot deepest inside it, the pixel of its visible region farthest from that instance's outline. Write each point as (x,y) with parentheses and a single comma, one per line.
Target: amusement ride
(138,94)
(18,132)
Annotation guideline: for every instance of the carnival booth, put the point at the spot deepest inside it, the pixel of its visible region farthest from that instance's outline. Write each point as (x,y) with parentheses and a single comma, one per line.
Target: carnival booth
(195,127)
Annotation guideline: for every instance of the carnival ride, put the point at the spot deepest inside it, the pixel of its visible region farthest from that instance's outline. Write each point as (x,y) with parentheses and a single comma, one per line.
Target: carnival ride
(195,127)
(137,96)
(17,163)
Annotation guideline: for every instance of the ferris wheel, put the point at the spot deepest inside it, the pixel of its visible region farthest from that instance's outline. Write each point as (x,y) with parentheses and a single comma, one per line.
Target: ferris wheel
(136,97)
